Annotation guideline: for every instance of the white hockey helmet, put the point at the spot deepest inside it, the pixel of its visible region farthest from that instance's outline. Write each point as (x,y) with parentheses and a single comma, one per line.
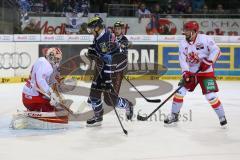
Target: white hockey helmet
(54,55)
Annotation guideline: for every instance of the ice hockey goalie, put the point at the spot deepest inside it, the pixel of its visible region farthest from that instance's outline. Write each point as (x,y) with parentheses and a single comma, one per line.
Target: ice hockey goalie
(40,95)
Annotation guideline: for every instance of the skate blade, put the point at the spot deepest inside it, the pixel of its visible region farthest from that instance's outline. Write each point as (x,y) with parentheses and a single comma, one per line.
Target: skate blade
(94,125)
(224,126)
(174,124)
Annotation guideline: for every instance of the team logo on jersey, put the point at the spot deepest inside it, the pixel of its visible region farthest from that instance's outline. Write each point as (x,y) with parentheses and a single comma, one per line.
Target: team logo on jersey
(104,47)
(199,46)
(192,58)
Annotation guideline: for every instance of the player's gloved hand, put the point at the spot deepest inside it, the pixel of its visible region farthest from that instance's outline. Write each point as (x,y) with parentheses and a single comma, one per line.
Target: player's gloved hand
(205,64)
(92,53)
(54,99)
(107,58)
(189,80)
(187,76)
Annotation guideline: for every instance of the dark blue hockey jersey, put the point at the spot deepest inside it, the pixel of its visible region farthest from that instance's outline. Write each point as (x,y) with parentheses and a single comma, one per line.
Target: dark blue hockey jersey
(105,43)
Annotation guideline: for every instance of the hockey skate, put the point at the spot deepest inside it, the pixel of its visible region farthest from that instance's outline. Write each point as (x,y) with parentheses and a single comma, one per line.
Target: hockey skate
(172,119)
(96,120)
(223,122)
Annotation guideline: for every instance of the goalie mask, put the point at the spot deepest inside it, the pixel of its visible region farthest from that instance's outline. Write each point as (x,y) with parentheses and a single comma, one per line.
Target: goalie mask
(54,56)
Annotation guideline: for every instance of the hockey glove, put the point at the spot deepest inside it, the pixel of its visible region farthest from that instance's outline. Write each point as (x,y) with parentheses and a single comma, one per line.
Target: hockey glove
(189,80)
(107,58)
(205,64)
(92,53)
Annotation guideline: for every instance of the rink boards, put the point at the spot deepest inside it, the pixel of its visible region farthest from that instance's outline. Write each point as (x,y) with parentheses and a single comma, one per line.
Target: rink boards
(152,58)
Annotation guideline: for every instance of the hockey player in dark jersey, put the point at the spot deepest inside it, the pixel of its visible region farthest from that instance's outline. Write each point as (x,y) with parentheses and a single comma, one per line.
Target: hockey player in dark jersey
(109,68)
(120,38)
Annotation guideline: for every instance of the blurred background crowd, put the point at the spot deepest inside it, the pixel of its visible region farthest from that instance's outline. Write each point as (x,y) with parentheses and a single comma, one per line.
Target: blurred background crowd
(23,9)
(131,7)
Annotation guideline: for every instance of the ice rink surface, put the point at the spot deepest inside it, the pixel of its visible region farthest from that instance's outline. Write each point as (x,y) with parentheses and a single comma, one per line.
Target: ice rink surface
(197,136)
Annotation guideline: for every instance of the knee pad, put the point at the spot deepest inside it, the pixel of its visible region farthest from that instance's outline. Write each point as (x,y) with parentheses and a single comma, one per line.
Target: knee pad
(211,96)
(182,92)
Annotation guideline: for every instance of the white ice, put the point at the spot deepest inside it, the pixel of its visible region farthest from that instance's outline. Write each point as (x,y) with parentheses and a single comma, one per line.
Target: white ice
(200,137)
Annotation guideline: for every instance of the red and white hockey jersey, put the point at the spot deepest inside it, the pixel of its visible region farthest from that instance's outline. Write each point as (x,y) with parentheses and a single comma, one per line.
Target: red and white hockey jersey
(192,53)
(42,76)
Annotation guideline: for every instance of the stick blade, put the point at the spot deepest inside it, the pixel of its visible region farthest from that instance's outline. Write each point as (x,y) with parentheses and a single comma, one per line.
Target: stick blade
(141,118)
(154,100)
(125,131)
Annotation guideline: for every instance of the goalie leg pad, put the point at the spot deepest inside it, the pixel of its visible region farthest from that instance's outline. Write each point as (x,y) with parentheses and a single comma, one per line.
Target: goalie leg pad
(39,120)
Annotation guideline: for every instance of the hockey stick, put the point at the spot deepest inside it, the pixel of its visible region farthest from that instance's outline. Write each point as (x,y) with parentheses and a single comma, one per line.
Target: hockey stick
(141,118)
(61,104)
(148,100)
(124,130)
(99,74)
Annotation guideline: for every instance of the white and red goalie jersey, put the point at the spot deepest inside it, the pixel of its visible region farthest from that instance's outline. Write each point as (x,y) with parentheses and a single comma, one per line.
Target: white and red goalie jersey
(42,76)
(192,53)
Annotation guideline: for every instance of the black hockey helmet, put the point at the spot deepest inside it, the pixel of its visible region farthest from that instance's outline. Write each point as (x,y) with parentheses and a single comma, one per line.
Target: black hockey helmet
(118,24)
(94,22)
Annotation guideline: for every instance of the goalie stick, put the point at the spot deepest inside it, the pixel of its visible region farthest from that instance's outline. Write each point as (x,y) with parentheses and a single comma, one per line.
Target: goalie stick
(141,118)
(61,104)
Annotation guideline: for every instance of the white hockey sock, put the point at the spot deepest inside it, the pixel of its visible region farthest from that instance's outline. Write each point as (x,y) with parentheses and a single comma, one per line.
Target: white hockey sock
(216,104)
(176,107)
(177,102)
(219,111)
